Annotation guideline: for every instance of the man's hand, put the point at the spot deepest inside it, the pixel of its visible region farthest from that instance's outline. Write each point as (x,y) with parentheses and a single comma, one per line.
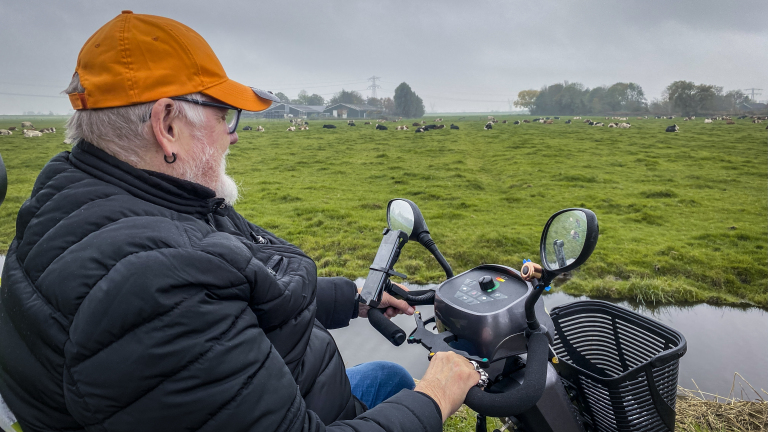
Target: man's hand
(447,380)
(394,307)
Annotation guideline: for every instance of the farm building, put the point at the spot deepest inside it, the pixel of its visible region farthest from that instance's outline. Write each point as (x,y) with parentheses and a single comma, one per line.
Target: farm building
(753,107)
(345,110)
(284,110)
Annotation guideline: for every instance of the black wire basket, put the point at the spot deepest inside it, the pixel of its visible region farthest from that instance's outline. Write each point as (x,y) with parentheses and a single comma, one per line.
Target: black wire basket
(623,365)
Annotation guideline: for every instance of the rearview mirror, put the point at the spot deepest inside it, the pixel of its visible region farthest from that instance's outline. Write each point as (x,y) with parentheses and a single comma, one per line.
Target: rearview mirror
(404,215)
(400,216)
(568,239)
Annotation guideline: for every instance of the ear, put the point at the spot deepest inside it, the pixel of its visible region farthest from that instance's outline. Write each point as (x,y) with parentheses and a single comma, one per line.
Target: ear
(164,126)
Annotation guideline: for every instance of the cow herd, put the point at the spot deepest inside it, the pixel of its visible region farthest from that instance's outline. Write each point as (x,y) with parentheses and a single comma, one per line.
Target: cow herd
(421,127)
(28,129)
(615,122)
(299,124)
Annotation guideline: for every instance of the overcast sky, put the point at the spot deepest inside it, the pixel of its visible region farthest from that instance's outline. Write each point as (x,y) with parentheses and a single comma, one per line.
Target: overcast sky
(457,55)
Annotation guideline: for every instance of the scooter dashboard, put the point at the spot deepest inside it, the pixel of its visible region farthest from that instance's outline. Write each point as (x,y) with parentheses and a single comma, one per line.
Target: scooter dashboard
(465,291)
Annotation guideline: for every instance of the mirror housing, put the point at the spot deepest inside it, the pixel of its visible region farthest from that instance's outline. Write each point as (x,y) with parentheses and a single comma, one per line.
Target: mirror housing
(419,227)
(570,240)
(419,232)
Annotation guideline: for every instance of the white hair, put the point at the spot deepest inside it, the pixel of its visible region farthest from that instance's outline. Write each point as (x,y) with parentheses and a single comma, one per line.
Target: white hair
(124,132)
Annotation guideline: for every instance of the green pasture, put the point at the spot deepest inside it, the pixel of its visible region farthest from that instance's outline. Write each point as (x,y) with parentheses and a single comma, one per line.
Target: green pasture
(683,216)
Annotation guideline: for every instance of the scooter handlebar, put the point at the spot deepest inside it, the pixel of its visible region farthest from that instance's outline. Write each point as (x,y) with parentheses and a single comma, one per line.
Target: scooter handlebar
(521,398)
(387,328)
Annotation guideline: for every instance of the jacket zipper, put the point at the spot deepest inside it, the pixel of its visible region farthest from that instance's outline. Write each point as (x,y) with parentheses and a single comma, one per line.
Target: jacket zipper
(217,204)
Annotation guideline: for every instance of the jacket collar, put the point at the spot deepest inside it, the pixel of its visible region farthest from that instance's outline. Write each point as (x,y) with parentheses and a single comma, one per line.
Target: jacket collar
(157,188)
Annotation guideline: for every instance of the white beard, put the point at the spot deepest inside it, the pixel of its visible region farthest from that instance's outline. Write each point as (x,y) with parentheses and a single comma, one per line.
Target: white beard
(226,187)
(205,167)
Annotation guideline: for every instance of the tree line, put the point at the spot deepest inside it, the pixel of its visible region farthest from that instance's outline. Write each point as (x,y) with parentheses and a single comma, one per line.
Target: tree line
(688,98)
(682,97)
(406,102)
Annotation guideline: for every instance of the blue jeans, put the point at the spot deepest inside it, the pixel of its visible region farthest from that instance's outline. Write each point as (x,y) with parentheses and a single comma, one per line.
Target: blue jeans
(375,382)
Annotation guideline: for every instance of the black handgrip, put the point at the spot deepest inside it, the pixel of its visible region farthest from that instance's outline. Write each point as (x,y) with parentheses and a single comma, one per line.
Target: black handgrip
(387,328)
(522,398)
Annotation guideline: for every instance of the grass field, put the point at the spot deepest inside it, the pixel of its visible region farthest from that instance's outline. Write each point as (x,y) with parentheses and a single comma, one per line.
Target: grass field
(683,216)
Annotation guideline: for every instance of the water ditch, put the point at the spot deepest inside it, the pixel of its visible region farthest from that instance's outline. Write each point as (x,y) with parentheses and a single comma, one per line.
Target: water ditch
(721,340)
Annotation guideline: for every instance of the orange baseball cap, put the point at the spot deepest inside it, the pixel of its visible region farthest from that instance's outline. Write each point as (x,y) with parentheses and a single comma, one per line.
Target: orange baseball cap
(137,58)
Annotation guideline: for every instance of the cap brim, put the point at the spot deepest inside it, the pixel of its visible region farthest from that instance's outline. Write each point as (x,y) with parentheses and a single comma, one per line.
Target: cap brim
(241,96)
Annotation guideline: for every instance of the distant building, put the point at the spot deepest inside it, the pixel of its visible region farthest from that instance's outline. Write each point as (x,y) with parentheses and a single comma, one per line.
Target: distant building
(753,106)
(345,110)
(284,110)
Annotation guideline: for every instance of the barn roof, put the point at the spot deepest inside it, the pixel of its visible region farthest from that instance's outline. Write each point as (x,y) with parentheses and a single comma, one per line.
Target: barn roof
(305,108)
(308,108)
(357,107)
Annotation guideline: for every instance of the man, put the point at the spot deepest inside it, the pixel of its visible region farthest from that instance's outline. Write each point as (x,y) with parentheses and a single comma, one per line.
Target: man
(136,298)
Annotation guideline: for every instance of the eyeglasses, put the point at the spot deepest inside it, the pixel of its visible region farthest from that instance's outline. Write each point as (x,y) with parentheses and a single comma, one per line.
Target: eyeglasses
(233,114)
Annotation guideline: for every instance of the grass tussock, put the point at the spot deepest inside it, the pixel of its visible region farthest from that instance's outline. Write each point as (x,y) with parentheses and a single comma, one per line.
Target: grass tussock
(464,420)
(699,411)
(678,221)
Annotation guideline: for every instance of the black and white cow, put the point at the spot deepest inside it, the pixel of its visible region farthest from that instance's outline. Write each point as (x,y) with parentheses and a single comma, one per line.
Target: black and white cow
(673,128)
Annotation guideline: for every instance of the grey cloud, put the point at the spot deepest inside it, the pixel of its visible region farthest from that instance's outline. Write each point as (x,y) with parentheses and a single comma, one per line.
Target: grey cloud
(459,55)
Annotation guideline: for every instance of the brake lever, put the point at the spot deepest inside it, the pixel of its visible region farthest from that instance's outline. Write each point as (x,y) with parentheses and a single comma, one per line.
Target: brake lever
(438,342)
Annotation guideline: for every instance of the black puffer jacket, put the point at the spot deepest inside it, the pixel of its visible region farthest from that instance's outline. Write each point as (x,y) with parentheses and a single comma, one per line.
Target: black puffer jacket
(132,301)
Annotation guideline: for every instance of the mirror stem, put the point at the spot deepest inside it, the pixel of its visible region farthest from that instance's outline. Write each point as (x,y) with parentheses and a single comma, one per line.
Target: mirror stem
(426,240)
(530,302)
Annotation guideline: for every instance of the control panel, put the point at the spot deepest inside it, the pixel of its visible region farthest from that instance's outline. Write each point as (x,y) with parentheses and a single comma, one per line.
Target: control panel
(483,290)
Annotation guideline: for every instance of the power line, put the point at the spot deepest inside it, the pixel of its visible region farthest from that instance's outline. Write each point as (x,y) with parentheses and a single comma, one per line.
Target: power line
(304,87)
(312,83)
(458,99)
(464,100)
(333,93)
(33,95)
(462,91)
(33,85)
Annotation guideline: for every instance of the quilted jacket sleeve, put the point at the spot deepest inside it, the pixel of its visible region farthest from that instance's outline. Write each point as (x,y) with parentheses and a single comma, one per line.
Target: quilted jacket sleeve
(167,341)
(336,303)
